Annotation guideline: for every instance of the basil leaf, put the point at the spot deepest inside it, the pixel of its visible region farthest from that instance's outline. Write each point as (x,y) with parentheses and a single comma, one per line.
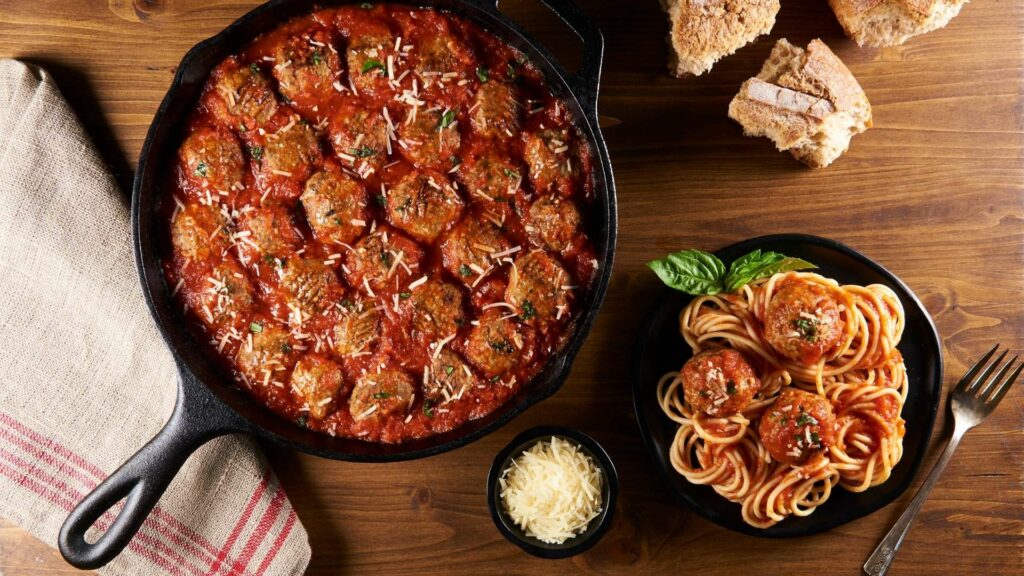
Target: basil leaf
(757,265)
(690,271)
(371,64)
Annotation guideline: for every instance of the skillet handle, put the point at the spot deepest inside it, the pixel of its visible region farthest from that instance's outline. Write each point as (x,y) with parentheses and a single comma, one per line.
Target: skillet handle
(141,480)
(586,80)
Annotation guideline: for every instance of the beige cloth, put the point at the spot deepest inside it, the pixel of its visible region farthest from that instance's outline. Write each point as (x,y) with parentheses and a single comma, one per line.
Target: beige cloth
(86,379)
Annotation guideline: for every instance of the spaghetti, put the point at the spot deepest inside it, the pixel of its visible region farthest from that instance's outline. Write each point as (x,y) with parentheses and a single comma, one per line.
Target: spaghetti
(795,386)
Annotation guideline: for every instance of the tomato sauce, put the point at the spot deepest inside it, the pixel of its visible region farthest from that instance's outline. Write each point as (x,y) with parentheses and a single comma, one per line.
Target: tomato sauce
(313,208)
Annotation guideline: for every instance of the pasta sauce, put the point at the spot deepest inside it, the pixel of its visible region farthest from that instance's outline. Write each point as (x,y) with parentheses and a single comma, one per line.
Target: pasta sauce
(378,221)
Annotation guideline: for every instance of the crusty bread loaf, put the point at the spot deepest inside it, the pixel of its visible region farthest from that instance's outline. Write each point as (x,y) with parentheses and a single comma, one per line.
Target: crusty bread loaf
(890,22)
(806,101)
(704,31)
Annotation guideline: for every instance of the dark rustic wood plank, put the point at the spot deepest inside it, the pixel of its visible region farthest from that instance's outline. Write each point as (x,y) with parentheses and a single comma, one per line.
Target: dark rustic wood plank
(935,192)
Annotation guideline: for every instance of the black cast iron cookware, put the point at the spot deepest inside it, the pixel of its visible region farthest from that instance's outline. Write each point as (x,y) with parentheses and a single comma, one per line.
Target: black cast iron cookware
(208,405)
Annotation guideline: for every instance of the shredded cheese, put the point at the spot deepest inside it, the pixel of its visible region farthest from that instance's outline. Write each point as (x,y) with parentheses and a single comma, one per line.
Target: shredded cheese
(552,490)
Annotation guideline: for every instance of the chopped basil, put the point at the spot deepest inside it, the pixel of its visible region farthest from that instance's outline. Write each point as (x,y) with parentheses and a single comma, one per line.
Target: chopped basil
(511,173)
(807,328)
(371,64)
(254,68)
(483,74)
(815,438)
(447,119)
(202,169)
(256,152)
(381,395)
(501,346)
(346,303)
(255,327)
(528,311)
(428,408)
(381,199)
(316,58)
(464,270)
(286,348)
(449,369)
(362,152)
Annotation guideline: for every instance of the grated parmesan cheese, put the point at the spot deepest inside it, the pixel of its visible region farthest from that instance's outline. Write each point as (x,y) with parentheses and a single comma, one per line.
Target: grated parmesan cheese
(552,490)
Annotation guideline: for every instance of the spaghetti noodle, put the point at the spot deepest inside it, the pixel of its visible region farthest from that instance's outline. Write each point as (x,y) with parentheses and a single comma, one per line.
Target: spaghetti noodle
(830,386)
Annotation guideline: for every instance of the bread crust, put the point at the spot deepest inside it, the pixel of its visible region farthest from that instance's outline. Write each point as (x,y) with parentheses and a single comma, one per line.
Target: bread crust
(704,31)
(806,101)
(878,23)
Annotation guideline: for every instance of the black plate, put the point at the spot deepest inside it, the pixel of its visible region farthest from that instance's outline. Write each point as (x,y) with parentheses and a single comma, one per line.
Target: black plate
(661,349)
(597,527)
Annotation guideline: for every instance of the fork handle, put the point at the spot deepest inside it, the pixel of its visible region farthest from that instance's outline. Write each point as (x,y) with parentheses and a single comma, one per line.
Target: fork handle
(880,560)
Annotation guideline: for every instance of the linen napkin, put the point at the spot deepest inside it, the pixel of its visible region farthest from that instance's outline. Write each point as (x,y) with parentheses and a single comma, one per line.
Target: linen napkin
(85,379)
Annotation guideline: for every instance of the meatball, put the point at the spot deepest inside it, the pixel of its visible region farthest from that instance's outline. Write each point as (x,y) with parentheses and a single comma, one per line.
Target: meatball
(383,261)
(381,393)
(797,425)
(495,343)
(449,377)
(439,54)
(306,68)
(242,98)
(802,321)
(550,158)
(467,249)
(539,288)
(367,57)
(490,177)
(227,294)
(436,310)
(430,138)
(423,204)
(719,382)
(496,112)
(267,355)
(199,233)
(292,151)
(358,328)
(212,160)
(318,381)
(359,138)
(266,235)
(311,287)
(335,207)
(554,222)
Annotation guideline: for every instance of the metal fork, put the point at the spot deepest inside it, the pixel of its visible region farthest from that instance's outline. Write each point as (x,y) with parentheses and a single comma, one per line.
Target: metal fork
(973,399)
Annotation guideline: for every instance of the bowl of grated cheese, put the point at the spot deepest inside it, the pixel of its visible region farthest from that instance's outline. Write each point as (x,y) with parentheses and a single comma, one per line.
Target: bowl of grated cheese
(552,491)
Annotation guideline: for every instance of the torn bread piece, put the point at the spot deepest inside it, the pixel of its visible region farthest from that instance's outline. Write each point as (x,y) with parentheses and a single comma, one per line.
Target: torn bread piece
(705,31)
(805,101)
(879,23)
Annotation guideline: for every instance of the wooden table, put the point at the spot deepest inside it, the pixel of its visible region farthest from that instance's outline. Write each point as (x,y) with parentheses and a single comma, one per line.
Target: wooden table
(935,192)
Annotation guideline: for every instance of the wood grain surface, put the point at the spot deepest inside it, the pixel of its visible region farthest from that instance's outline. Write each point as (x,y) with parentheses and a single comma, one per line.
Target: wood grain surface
(935,192)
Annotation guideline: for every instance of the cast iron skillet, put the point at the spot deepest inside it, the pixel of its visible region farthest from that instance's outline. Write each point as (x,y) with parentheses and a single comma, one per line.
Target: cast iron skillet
(660,349)
(208,404)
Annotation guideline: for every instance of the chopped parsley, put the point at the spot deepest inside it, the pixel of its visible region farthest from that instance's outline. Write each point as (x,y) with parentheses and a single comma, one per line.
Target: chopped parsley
(346,303)
(254,68)
(807,328)
(464,270)
(316,58)
(405,295)
(501,346)
(381,395)
(528,311)
(455,160)
(730,388)
(704,394)
(381,199)
(428,408)
(372,64)
(202,169)
(449,369)
(511,173)
(286,348)
(447,119)
(385,257)
(362,152)
(255,327)
(815,439)
(510,70)
(256,152)
(301,420)
(804,418)
(483,74)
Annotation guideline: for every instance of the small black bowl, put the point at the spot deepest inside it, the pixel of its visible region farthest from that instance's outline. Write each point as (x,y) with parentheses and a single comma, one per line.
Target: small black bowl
(597,527)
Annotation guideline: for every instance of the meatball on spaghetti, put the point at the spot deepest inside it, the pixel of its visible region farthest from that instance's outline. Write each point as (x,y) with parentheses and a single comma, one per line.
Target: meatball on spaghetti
(797,426)
(719,382)
(803,322)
